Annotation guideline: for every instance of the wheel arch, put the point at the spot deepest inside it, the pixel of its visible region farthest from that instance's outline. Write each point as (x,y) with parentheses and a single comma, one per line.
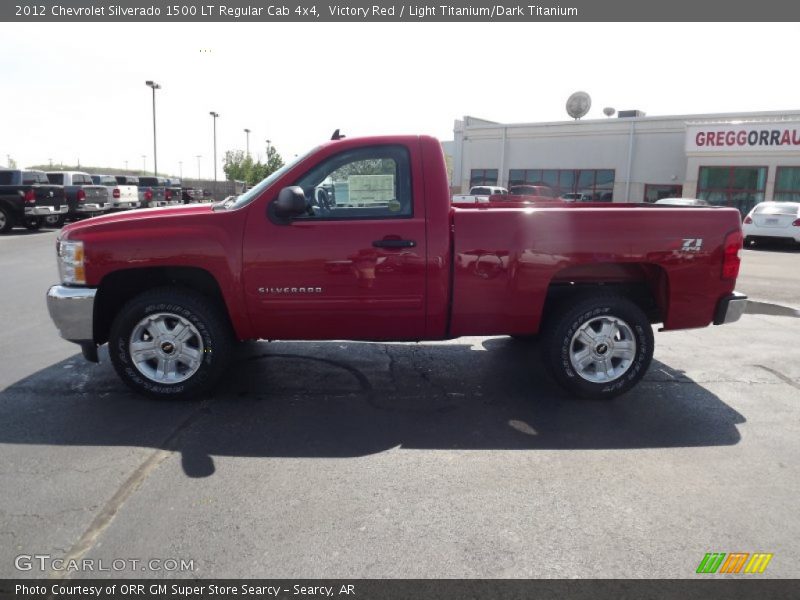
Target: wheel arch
(119,287)
(645,284)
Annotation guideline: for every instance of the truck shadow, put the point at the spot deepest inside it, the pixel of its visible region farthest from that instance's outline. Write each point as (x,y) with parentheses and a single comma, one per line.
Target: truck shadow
(349,399)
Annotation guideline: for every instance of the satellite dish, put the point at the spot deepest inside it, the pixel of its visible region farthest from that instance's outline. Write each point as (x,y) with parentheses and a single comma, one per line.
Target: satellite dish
(608,111)
(578,104)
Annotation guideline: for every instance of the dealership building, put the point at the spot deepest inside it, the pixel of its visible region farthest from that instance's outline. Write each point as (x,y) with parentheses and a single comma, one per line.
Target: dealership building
(728,159)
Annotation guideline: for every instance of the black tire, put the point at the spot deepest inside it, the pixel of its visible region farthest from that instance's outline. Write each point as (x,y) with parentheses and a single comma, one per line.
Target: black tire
(6,222)
(559,344)
(214,341)
(749,241)
(33,224)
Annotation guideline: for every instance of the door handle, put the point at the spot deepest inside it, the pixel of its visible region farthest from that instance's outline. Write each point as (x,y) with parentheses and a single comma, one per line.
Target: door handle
(394,243)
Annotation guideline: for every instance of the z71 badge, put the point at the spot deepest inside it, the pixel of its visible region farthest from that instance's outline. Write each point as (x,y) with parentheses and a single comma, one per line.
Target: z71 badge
(692,244)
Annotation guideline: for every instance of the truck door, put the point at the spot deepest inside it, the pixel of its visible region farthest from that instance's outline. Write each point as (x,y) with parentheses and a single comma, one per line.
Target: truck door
(352,266)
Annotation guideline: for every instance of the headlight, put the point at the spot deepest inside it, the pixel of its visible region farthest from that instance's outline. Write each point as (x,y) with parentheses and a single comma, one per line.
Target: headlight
(70,262)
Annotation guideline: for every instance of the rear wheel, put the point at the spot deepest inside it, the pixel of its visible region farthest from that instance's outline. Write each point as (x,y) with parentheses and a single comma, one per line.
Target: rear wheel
(598,346)
(5,221)
(170,343)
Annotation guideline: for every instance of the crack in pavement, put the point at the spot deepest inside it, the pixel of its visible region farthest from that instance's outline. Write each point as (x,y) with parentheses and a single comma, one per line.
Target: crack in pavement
(780,376)
(104,518)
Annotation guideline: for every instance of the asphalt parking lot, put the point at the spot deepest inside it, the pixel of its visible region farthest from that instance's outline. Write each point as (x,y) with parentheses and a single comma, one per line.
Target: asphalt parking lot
(456,459)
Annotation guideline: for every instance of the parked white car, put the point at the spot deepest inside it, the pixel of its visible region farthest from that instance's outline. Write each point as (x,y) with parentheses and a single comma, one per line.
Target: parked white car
(121,197)
(772,221)
(481,193)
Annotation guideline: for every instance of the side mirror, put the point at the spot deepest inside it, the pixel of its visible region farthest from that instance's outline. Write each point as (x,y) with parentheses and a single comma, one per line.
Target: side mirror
(291,202)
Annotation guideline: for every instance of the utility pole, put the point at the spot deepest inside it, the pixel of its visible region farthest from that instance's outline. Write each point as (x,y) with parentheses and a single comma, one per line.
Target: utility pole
(154,86)
(214,115)
(247,132)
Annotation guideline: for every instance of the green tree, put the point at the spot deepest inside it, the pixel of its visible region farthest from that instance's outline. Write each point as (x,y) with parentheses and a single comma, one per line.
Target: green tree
(241,167)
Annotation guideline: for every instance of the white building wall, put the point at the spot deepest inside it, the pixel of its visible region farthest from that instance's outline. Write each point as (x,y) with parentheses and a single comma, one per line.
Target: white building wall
(653,147)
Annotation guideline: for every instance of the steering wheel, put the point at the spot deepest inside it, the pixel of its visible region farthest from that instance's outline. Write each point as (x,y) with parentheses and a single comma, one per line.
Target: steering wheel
(322,199)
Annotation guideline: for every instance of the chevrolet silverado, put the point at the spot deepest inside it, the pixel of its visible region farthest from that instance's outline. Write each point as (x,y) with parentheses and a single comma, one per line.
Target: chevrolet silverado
(358,240)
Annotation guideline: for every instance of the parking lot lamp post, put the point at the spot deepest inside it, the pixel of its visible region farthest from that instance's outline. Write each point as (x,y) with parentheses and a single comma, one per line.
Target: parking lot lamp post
(214,115)
(154,86)
(247,133)
(144,164)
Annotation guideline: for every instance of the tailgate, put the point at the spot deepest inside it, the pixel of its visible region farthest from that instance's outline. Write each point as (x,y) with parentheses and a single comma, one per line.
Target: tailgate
(95,194)
(49,195)
(128,193)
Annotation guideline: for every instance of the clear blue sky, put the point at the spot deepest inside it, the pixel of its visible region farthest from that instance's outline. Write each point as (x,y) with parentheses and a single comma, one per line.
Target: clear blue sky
(77,91)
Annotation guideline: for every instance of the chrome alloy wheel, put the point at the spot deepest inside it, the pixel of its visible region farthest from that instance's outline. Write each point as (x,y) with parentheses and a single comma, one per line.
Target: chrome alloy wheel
(166,348)
(602,349)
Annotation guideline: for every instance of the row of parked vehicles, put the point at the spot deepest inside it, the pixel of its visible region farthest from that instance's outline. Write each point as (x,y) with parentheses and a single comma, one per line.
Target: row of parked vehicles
(32,199)
(481,193)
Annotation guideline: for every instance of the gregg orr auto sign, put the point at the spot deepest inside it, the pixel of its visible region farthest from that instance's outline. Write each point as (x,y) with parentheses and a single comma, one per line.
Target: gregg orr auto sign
(749,137)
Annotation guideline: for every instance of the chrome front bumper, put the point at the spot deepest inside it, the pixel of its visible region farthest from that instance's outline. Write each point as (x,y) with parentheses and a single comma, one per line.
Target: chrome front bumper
(45,211)
(72,311)
(730,308)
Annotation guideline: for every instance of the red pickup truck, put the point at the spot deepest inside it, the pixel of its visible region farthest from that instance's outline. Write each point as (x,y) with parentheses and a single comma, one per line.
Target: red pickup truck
(358,240)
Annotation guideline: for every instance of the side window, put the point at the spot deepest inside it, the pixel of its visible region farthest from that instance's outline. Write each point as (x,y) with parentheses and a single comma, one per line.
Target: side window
(364,183)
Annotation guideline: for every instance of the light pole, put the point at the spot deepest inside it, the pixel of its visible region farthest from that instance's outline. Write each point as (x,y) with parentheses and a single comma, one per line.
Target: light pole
(198,157)
(144,164)
(214,115)
(268,146)
(247,133)
(154,86)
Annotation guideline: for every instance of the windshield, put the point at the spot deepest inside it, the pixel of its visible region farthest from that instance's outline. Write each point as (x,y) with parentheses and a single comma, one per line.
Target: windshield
(255,192)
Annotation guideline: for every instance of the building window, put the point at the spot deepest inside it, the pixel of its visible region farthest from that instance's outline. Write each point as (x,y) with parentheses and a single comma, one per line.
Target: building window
(654,191)
(594,185)
(482,177)
(787,184)
(740,187)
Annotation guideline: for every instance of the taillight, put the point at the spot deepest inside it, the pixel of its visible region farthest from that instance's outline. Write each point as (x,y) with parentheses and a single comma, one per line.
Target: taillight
(796,222)
(148,195)
(115,193)
(730,258)
(81,195)
(748,220)
(168,195)
(30,197)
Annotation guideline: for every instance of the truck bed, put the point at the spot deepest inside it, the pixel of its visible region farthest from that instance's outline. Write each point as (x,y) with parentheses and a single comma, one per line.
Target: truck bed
(507,259)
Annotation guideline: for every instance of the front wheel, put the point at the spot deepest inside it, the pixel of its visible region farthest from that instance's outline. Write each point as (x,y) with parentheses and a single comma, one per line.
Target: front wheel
(170,343)
(598,346)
